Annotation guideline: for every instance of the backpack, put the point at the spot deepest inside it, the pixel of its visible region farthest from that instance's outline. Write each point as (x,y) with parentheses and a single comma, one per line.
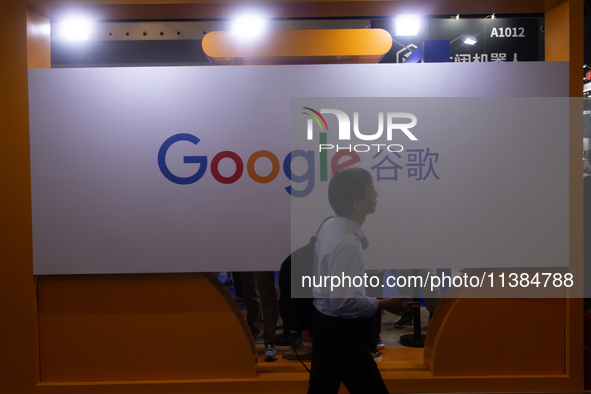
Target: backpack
(296,312)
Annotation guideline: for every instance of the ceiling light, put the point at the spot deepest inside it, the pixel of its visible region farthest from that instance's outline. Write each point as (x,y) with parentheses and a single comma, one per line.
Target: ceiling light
(248,26)
(76,28)
(469,40)
(407,25)
(466,39)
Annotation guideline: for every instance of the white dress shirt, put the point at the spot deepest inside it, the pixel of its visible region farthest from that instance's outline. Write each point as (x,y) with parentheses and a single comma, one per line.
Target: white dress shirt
(338,251)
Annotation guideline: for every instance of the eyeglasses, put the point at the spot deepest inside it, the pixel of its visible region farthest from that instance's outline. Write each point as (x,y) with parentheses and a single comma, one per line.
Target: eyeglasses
(374,193)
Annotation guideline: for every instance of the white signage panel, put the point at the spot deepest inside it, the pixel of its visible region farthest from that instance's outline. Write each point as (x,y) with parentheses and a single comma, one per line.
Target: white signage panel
(184,169)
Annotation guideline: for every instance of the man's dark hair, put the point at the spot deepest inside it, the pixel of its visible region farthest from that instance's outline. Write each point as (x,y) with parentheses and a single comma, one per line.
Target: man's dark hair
(346,187)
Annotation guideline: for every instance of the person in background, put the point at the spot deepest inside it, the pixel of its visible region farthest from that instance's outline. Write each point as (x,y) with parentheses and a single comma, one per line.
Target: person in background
(260,300)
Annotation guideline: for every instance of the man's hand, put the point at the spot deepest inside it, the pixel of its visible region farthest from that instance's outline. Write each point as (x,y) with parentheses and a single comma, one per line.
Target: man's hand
(364,243)
(395,304)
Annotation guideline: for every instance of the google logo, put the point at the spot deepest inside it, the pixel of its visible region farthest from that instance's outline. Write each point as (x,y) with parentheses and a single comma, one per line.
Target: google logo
(308,178)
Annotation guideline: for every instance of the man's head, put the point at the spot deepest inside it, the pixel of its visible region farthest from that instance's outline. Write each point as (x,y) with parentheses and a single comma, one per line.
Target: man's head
(351,191)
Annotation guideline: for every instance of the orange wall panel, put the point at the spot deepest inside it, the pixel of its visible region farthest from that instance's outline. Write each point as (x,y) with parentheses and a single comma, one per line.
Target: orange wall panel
(474,339)
(139,327)
(38,41)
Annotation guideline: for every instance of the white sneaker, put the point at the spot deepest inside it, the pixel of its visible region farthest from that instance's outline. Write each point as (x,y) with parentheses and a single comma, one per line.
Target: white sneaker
(380,344)
(376,356)
(270,353)
(301,352)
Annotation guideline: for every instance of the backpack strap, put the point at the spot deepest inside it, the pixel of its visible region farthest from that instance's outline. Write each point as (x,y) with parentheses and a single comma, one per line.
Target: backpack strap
(324,221)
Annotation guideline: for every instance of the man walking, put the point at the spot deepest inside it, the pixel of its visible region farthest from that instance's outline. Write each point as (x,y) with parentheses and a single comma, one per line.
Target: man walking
(340,352)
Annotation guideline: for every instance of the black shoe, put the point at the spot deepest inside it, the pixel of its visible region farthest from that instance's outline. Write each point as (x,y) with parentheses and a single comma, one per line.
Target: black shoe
(229,283)
(405,320)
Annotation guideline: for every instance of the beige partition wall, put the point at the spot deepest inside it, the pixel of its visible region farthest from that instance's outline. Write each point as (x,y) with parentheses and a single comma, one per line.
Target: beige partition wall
(158,333)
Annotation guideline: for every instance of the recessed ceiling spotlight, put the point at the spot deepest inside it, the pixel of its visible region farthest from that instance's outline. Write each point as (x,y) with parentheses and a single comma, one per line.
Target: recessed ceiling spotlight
(249,26)
(76,28)
(407,25)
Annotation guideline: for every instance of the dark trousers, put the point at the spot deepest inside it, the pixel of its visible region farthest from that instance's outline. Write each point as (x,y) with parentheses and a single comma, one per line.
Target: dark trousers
(341,354)
(371,328)
(237,284)
(260,300)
